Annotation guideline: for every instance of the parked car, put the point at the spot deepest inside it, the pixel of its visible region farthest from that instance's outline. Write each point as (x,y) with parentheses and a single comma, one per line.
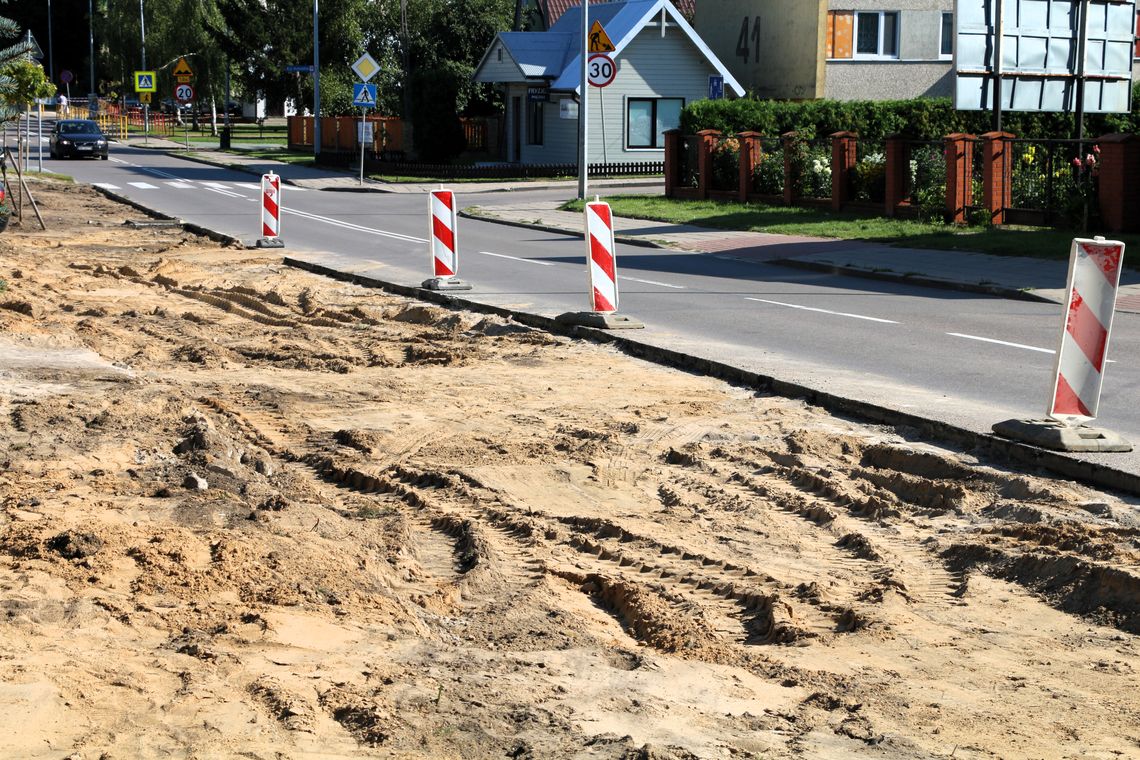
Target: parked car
(171,106)
(73,138)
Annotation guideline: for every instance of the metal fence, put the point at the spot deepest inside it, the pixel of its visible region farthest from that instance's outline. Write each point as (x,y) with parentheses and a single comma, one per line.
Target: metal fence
(1055,178)
(925,178)
(768,171)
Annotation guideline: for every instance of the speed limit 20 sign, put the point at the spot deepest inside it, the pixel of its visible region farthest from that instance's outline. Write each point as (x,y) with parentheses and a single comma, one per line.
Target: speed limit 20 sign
(184,93)
(600,69)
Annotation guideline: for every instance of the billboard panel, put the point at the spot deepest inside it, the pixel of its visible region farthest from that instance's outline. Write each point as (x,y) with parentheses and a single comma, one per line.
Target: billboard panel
(1040,50)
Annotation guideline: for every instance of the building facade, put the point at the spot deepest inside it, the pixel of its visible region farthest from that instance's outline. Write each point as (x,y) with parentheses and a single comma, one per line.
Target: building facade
(840,49)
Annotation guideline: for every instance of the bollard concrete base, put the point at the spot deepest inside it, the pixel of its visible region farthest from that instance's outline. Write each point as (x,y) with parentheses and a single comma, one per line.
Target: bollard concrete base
(1051,434)
(599,320)
(446,283)
(270,243)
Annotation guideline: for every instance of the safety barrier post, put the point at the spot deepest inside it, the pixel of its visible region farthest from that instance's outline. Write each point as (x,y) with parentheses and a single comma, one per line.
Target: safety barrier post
(443,242)
(601,267)
(270,212)
(1078,369)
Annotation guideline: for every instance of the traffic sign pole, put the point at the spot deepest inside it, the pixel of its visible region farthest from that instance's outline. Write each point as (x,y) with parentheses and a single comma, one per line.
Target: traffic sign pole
(583,107)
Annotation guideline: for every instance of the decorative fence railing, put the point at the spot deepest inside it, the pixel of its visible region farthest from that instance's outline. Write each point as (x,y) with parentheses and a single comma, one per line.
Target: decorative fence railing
(962,178)
(379,165)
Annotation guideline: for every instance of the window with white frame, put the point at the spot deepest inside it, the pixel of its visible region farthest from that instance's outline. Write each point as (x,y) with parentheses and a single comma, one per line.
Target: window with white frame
(877,34)
(647,120)
(947,47)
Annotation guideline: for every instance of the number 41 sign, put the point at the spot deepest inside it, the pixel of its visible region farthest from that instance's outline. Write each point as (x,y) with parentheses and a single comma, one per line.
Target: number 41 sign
(600,69)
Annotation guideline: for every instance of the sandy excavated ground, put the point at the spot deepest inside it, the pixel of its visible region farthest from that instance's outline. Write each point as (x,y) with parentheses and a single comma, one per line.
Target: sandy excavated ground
(249,512)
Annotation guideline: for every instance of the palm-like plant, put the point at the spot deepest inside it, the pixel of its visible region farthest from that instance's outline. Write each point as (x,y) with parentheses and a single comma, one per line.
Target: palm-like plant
(17,52)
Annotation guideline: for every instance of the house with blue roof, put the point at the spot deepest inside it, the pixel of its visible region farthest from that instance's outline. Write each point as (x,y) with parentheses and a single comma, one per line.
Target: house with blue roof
(661,65)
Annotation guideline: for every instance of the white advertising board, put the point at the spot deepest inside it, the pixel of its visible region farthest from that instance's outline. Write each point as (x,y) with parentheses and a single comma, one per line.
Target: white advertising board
(1040,42)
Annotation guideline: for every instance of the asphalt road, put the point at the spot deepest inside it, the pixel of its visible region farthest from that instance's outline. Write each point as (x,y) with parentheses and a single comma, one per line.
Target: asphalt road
(964,359)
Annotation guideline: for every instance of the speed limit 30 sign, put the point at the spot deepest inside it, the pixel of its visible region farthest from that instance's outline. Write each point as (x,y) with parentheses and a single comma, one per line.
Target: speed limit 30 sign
(600,69)
(184,93)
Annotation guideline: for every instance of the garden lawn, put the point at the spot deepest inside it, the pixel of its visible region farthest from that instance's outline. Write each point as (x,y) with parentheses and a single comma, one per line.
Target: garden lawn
(1037,242)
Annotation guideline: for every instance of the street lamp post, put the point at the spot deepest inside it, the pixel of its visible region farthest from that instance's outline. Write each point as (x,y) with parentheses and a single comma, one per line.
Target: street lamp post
(51,58)
(142,35)
(92,105)
(316,82)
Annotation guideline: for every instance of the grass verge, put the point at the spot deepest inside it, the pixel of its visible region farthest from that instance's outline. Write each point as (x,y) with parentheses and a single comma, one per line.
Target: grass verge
(1037,242)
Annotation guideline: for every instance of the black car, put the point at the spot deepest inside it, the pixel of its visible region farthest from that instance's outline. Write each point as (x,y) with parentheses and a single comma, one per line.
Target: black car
(77,137)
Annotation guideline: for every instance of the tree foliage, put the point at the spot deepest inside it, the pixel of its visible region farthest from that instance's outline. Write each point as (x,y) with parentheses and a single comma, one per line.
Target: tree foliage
(12,97)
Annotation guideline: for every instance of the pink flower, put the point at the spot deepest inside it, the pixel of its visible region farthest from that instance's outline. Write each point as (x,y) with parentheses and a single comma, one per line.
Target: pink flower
(1077,161)
(1090,160)
(1096,149)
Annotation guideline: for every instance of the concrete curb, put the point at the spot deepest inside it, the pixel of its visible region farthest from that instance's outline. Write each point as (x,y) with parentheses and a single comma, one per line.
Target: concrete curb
(1009,452)
(197,229)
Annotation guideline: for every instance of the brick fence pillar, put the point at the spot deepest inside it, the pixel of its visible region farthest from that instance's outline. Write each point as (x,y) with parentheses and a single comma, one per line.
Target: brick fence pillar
(791,194)
(997,174)
(1117,180)
(751,154)
(673,144)
(843,158)
(959,176)
(706,143)
(898,171)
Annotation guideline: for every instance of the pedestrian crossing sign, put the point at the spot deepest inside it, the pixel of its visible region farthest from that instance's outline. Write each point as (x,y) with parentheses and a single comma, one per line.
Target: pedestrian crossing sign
(145,81)
(364,95)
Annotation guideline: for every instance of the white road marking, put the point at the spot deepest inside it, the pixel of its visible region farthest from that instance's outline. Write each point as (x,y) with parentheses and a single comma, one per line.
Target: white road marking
(651,282)
(105,185)
(180,185)
(118,161)
(825,311)
(517,258)
(143,185)
(350,226)
(223,191)
(248,185)
(1003,343)
(217,185)
(1014,345)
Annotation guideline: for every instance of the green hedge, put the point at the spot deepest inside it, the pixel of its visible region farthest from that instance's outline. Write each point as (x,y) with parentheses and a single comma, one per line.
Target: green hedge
(920,118)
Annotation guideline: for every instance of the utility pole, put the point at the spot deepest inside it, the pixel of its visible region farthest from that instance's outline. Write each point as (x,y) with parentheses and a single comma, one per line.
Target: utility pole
(91,102)
(316,82)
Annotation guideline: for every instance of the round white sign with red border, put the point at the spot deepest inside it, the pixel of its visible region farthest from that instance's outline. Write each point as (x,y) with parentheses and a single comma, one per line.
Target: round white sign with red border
(184,93)
(600,69)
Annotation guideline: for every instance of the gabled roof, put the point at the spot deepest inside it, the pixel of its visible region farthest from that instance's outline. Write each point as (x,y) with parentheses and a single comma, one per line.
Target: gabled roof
(554,55)
(552,10)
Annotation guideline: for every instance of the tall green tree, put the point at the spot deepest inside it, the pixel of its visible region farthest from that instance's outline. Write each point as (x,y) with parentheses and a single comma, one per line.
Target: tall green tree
(11,97)
(263,37)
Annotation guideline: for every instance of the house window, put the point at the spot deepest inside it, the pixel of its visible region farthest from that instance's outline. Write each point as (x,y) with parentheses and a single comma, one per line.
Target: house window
(647,120)
(534,113)
(877,34)
(947,48)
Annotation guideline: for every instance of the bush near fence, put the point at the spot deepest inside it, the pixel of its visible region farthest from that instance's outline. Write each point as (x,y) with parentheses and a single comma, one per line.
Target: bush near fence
(875,120)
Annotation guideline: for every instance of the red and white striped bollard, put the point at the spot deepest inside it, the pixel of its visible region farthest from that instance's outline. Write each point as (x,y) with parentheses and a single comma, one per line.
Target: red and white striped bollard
(270,212)
(443,242)
(1078,370)
(601,265)
(1094,278)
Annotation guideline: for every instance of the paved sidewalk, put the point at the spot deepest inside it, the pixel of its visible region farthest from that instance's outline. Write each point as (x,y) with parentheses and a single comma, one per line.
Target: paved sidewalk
(1006,276)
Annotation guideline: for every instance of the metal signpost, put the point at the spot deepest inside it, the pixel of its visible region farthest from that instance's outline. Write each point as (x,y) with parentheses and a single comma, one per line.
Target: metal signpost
(594,41)
(364,96)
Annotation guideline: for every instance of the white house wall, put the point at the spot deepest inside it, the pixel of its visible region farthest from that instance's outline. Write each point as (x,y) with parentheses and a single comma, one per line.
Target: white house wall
(648,67)
(499,66)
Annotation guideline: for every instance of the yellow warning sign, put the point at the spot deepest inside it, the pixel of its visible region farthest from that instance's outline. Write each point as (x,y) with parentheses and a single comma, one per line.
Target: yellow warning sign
(183,69)
(599,41)
(144,97)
